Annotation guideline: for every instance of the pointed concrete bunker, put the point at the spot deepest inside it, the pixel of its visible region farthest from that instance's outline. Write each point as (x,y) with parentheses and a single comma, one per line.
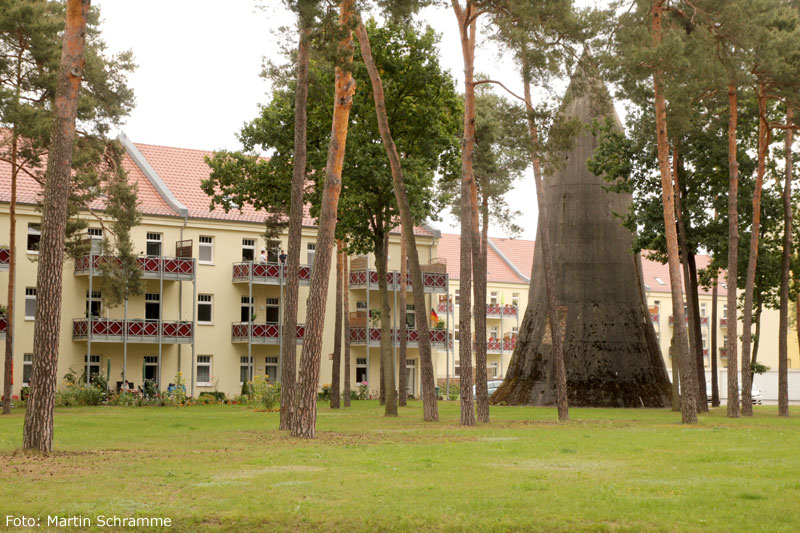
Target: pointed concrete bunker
(611,353)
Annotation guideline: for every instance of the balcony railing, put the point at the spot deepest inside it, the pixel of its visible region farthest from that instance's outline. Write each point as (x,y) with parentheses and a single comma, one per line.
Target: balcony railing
(723,353)
(703,320)
(3,326)
(500,345)
(266,273)
(138,330)
(444,307)
(359,336)
(152,266)
(654,317)
(501,311)
(262,332)
(4,257)
(431,281)
(723,322)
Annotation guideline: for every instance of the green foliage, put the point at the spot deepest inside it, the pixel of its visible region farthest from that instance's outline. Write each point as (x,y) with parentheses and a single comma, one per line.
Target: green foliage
(362,391)
(79,395)
(758,368)
(324,394)
(263,393)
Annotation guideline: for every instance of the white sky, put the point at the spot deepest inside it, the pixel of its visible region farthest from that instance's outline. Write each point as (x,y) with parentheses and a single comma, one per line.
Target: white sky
(199,62)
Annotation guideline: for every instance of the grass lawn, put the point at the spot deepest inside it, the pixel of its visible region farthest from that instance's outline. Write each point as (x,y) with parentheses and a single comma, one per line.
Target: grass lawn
(226,467)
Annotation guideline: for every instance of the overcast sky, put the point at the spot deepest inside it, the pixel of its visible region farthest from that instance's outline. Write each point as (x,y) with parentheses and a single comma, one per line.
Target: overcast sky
(198,78)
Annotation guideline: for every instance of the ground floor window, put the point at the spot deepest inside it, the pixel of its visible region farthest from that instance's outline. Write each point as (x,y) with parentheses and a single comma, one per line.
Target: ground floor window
(271,368)
(27,368)
(361,369)
(457,371)
(494,369)
(93,365)
(151,368)
(203,369)
(411,374)
(244,369)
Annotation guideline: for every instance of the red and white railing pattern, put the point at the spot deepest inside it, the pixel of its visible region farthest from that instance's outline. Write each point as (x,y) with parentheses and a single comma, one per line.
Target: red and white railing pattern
(152,267)
(362,335)
(497,345)
(723,352)
(5,257)
(443,307)
(271,273)
(703,320)
(3,325)
(654,317)
(138,330)
(262,333)
(723,322)
(431,281)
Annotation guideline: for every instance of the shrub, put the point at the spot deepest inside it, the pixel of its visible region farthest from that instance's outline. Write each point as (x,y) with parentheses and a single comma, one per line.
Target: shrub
(263,393)
(363,391)
(325,395)
(77,395)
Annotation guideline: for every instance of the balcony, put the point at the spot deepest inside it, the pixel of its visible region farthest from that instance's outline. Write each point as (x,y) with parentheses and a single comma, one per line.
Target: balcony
(654,317)
(431,281)
(363,336)
(703,320)
(262,333)
(723,323)
(498,346)
(444,307)
(4,257)
(3,326)
(501,311)
(141,331)
(723,353)
(266,273)
(152,267)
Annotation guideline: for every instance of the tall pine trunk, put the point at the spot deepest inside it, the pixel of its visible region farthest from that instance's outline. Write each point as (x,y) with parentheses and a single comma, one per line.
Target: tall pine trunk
(467,29)
(305,402)
(429,406)
(752,256)
(38,429)
(783,325)
(479,310)
(547,253)
(693,288)
(402,383)
(292,267)
(8,369)
(387,374)
(346,307)
(336,377)
(733,253)
(714,350)
(688,396)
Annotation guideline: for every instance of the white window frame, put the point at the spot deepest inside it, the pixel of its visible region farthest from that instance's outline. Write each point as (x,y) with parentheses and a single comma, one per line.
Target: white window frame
(494,333)
(725,311)
(30,295)
(273,303)
(249,244)
(96,237)
(153,237)
(33,229)
(153,297)
(515,299)
(311,252)
(494,297)
(456,367)
(245,363)
(248,302)
(494,367)
(457,297)
(204,361)
(703,310)
(361,362)
(205,242)
(271,361)
(27,362)
(205,300)
(515,332)
(96,296)
(273,251)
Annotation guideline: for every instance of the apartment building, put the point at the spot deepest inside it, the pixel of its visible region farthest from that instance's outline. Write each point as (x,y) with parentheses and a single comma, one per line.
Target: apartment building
(211,308)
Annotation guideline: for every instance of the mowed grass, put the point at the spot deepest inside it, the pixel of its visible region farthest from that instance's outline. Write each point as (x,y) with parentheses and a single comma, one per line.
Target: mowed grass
(229,468)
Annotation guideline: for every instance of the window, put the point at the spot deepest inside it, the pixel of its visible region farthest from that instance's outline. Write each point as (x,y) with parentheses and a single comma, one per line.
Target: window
(657,303)
(411,317)
(515,298)
(458,297)
(457,370)
(312,250)
(30,303)
(514,332)
(204,370)
(271,368)
(205,249)
(27,368)
(702,309)
(244,369)
(725,311)
(493,299)
(248,249)
(154,244)
(455,332)
(96,237)
(494,333)
(273,251)
(494,369)
(151,368)
(152,306)
(247,309)
(361,305)
(205,308)
(34,236)
(361,369)
(93,302)
(93,364)
(273,311)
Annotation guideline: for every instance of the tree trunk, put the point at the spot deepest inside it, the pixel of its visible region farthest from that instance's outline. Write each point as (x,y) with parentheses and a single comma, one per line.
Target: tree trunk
(401,313)
(684,258)
(694,289)
(292,267)
(38,428)
(733,254)
(783,324)
(479,289)
(676,375)
(305,412)
(752,256)
(757,335)
(467,26)
(8,372)
(429,405)
(714,350)
(381,259)
(346,306)
(688,385)
(336,377)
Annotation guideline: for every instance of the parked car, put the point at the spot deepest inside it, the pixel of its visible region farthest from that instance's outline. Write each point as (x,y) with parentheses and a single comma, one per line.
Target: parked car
(493,385)
(755,393)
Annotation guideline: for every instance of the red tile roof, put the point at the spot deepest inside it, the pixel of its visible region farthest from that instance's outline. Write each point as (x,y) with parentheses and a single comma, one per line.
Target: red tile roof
(656,275)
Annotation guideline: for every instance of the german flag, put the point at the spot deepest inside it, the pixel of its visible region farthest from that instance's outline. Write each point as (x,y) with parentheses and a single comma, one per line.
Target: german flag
(434,316)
